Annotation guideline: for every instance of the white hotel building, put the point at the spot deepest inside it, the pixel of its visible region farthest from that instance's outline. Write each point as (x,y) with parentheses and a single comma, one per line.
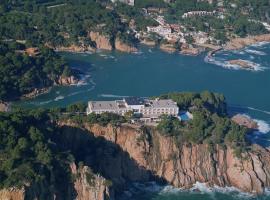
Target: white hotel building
(151,109)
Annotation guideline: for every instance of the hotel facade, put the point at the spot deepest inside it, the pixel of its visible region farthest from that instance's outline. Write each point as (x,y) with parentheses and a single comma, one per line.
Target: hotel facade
(146,108)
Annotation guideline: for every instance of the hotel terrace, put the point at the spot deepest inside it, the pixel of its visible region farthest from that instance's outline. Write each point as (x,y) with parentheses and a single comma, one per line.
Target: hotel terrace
(146,108)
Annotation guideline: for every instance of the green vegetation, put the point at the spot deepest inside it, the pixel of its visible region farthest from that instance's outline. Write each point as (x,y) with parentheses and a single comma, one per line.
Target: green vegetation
(105,119)
(63,25)
(28,153)
(21,74)
(212,102)
(210,123)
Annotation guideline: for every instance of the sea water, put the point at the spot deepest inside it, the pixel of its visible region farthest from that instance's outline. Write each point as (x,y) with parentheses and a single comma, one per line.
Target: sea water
(114,75)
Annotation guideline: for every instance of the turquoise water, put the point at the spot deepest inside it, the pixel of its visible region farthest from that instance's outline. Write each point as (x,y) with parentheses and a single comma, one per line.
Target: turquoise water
(153,72)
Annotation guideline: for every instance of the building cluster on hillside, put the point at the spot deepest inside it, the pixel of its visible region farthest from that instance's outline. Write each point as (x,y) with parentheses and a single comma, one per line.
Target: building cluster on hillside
(146,109)
(129,2)
(170,32)
(198,13)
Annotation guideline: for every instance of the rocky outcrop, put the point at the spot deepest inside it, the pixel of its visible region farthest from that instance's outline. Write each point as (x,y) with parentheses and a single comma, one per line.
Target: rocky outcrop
(244,120)
(158,157)
(86,186)
(4,107)
(239,43)
(242,63)
(148,42)
(169,48)
(190,51)
(101,41)
(121,46)
(89,185)
(36,92)
(69,80)
(75,48)
(12,194)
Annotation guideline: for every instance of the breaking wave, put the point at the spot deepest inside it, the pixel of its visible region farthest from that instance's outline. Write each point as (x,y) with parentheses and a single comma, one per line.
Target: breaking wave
(59,98)
(259,110)
(263,126)
(202,188)
(260,53)
(112,96)
(260,44)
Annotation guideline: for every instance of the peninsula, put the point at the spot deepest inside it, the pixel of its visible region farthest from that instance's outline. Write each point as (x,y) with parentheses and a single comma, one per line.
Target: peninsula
(99,155)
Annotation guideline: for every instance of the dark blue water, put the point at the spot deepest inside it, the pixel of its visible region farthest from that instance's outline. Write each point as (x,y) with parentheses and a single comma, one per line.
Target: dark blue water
(152,72)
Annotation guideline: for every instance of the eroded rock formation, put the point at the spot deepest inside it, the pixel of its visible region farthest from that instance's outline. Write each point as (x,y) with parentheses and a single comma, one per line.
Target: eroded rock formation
(121,46)
(152,156)
(102,41)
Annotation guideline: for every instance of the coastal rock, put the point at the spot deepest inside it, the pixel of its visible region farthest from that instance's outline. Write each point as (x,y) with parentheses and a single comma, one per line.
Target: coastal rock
(190,51)
(89,185)
(12,194)
(102,41)
(246,121)
(170,48)
(70,80)
(36,92)
(148,42)
(151,156)
(4,107)
(239,43)
(75,48)
(242,63)
(121,46)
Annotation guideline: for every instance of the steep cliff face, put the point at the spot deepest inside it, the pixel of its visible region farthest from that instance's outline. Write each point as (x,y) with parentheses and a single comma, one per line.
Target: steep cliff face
(102,41)
(86,185)
(183,166)
(12,194)
(89,185)
(121,46)
(70,80)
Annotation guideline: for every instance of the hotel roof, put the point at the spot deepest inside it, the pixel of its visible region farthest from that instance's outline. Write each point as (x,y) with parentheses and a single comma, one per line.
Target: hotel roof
(105,105)
(161,103)
(135,101)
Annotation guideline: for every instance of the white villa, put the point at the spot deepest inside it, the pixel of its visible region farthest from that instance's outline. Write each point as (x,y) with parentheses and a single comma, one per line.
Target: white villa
(129,2)
(148,109)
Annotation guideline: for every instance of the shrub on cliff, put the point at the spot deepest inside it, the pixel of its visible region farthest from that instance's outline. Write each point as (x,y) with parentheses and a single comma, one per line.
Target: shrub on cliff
(205,127)
(105,119)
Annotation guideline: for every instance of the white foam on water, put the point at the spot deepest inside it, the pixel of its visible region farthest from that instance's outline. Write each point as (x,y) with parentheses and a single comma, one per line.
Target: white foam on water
(137,52)
(259,110)
(260,53)
(60,97)
(205,189)
(259,44)
(263,126)
(251,57)
(45,102)
(112,96)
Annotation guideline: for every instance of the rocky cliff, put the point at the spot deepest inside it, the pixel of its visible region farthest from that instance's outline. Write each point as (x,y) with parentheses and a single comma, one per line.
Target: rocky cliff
(239,43)
(101,41)
(12,194)
(121,46)
(89,185)
(69,80)
(86,186)
(139,154)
